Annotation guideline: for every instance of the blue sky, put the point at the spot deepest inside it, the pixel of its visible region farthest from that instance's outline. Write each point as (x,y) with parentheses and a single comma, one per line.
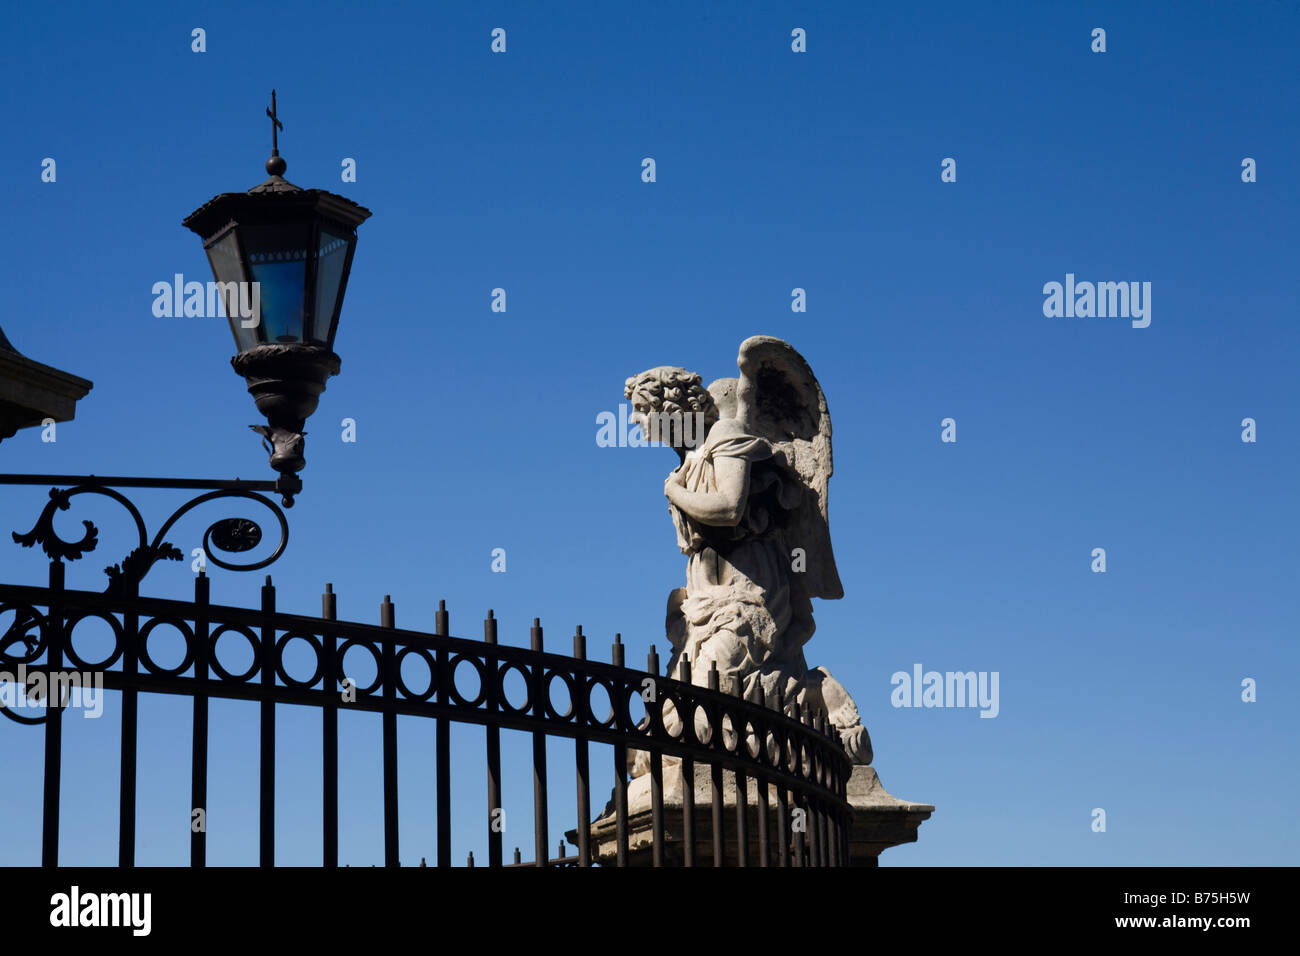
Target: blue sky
(775,170)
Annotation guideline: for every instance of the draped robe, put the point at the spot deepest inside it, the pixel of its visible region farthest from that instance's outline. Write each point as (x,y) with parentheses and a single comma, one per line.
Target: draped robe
(740,608)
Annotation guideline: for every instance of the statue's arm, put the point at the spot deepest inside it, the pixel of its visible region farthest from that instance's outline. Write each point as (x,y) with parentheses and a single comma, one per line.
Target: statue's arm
(721,508)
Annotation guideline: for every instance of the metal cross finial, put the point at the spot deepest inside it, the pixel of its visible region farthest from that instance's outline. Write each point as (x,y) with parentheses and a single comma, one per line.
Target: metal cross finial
(275,125)
(276,164)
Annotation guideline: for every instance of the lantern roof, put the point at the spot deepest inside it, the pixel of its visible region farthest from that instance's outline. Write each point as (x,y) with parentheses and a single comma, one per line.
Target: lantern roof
(269,201)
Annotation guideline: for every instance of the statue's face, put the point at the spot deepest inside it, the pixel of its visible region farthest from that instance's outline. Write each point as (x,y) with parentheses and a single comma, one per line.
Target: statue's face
(645,412)
(641,411)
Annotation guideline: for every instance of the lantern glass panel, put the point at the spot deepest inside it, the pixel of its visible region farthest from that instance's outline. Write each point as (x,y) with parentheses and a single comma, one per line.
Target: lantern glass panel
(332,258)
(277,258)
(233,288)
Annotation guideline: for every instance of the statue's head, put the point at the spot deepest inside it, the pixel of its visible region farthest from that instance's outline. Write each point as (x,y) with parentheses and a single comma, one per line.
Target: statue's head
(672,406)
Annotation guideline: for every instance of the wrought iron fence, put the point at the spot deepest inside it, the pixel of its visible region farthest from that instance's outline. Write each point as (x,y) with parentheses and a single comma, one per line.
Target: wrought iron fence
(795,757)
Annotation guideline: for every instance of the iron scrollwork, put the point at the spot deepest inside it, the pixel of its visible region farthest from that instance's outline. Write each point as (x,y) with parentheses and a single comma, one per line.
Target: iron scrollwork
(229,535)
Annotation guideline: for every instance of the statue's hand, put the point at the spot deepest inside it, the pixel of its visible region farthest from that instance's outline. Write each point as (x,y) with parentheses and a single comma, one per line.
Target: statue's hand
(675,480)
(669,491)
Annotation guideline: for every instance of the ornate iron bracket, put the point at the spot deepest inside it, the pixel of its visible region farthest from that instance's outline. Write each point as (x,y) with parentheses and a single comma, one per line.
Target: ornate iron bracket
(229,535)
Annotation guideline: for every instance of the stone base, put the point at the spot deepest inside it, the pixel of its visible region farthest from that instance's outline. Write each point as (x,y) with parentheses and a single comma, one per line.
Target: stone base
(880,820)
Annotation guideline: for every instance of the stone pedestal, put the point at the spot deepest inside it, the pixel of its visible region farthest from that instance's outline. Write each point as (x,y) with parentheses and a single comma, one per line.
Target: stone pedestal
(880,820)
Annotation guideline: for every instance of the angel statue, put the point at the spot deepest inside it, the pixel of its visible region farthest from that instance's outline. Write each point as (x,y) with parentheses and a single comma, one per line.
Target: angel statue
(748,500)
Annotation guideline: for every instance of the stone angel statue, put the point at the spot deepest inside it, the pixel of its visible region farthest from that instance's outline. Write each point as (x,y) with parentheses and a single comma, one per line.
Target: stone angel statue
(749,503)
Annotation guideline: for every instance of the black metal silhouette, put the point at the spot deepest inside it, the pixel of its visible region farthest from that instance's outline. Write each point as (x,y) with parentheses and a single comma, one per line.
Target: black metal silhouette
(795,754)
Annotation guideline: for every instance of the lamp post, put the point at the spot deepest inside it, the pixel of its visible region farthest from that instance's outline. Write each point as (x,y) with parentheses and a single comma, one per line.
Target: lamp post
(294,248)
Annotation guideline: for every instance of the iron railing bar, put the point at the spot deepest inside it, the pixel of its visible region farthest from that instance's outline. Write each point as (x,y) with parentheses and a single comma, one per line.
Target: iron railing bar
(388,668)
(493,731)
(782,827)
(742,818)
(539,694)
(53,724)
(199,726)
(833,839)
(222,615)
(581,760)
(130,737)
(688,812)
(654,715)
(687,717)
(800,804)
(154,683)
(715,772)
(330,734)
(443,741)
(620,772)
(118,481)
(266,773)
(814,834)
(719,843)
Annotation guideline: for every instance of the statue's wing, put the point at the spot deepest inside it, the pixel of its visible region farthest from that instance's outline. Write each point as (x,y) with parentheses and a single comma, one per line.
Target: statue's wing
(784,404)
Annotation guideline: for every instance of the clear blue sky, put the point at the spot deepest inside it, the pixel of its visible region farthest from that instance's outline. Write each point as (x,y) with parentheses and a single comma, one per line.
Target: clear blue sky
(776,170)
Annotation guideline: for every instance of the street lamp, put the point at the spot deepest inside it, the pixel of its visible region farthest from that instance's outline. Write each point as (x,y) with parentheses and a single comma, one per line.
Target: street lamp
(289,251)
(294,247)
